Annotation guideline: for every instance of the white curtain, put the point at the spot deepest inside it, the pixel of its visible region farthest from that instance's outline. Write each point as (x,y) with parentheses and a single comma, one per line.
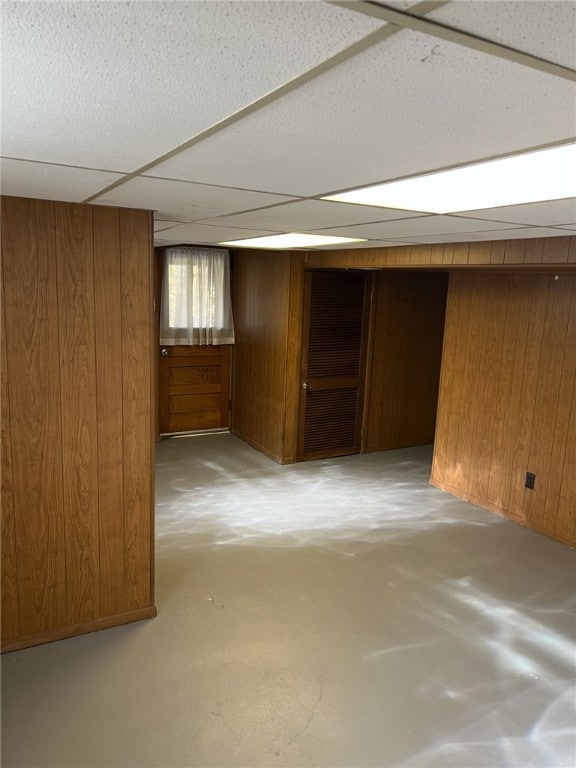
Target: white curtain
(196,307)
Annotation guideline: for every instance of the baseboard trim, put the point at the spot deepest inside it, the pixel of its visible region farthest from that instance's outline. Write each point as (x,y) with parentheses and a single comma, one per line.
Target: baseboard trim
(84,628)
(515,518)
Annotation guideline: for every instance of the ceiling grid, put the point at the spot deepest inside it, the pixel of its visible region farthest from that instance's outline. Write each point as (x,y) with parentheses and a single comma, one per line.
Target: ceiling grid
(231,120)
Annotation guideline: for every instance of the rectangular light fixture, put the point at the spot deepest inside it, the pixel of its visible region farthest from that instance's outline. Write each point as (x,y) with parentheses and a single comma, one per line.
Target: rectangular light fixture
(292,240)
(546,174)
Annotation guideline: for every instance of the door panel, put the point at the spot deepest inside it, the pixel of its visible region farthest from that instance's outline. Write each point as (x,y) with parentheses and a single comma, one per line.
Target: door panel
(333,364)
(194,388)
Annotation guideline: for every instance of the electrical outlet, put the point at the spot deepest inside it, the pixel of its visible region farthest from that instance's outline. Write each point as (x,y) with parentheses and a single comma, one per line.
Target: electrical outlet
(530,480)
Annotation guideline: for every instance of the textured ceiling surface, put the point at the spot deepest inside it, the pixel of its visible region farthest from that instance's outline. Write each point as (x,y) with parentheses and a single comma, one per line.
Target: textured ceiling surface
(232,119)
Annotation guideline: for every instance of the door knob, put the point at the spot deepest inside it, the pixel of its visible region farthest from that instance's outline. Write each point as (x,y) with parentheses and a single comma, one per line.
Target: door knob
(164,352)
(306,385)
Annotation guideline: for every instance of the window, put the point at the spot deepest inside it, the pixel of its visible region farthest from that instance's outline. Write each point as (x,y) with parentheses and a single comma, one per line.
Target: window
(196,307)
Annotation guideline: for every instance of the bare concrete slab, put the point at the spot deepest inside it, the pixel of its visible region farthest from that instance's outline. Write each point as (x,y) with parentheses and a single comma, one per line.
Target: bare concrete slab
(333,613)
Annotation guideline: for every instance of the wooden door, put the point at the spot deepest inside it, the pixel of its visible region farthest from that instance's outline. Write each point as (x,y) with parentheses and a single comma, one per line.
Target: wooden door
(333,364)
(194,391)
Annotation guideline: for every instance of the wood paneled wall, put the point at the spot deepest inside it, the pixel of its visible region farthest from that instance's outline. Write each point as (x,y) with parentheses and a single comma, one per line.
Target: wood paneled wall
(560,251)
(77,426)
(508,398)
(261,318)
(404,370)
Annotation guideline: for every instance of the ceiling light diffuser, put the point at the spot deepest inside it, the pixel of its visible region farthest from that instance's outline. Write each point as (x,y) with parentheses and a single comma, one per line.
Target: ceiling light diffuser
(292,240)
(547,174)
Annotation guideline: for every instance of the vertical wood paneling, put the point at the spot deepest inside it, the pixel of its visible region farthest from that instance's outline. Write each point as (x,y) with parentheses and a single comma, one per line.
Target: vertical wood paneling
(509,408)
(75,271)
(448,255)
(534,250)
(262,293)
(293,352)
(407,337)
(556,250)
(135,253)
(9,582)
(479,253)
(31,302)
(566,519)
(110,434)
(76,389)
(437,254)
(497,252)
(514,251)
(553,400)
(460,254)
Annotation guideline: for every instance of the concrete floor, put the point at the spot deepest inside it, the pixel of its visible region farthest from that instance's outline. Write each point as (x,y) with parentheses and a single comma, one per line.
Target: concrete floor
(334,613)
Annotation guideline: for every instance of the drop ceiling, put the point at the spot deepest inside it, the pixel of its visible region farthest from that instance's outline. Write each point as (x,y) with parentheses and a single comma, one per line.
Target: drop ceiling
(232,119)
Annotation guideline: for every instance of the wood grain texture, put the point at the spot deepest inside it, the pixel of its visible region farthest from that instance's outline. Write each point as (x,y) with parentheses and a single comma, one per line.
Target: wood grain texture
(293,379)
(110,435)
(506,397)
(407,339)
(76,375)
(262,301)
(33,354)
(75,272)
(194,391)
(136,291)
(8,562)
(490,253)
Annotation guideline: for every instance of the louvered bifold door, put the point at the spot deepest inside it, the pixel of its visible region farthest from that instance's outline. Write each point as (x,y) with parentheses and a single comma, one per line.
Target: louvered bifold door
(333,363)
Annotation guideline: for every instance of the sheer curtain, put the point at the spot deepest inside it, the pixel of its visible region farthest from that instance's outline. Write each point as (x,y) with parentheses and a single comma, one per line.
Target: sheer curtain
(196,307)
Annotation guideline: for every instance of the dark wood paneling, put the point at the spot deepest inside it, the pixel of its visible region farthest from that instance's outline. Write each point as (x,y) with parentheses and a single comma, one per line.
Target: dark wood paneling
(108,321)
(33,354)
(490,253)
(507,397)
(136,291)
(407,337)
(9,583)
(75,272)
(76,377)
(262,300)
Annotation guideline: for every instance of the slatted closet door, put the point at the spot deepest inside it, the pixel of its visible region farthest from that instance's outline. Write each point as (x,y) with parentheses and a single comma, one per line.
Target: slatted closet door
(333,364)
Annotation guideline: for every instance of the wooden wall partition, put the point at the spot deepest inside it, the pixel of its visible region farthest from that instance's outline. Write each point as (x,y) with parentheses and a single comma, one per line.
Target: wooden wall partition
(77,423)
(508,398)
(404,370)
(502,254)
(265,367)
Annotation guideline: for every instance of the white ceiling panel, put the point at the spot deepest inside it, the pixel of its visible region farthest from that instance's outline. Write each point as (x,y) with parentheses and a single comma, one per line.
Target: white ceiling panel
(51,182)
(408,228)
(116,84)
(502,234)
(547,213)
(312,214)
(206,234)
(178,200)
(391,111)
(161,224)
(367,244)
(544,28)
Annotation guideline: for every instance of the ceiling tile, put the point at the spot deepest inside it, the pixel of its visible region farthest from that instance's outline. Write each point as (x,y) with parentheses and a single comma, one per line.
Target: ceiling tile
(52,182)
(427,225)
(544,29)
(502,234)
(546,213)
(391,111)
(160,225)
(367,244)
(185,202)
(116,84)
(206,234)
(312,214)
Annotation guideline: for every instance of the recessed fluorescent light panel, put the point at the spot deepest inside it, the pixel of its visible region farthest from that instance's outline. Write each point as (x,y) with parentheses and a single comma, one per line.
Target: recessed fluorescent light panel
(292,240)
(547,174)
